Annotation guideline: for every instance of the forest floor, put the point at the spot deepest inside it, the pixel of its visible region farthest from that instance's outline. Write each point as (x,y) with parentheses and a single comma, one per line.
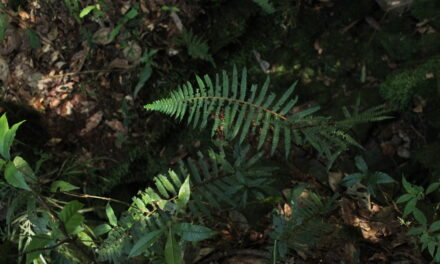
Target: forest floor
(88,84)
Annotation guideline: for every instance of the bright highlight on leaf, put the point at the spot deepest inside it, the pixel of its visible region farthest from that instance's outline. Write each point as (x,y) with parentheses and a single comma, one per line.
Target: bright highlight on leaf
(87,10)
(111,215)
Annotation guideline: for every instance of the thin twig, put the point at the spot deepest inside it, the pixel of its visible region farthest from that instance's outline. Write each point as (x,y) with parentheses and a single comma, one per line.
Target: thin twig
(88,196)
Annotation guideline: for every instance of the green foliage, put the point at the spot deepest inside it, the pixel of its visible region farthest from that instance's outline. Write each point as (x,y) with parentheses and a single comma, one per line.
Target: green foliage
(170,8)
(400,87)
(146,71)
(306,225)
(7,136)
(4,24)
(71,217)
(240,112)
(197,48)
(37,242)
(155,213)
(86,10)
(372,179)
(428,233)
(62,186)
(73,7)
(131,14)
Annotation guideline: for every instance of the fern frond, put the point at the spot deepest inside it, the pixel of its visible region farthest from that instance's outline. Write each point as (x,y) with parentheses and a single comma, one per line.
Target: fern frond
(307,223)
(238,112)
(196,46)
(114,247)
(215,184)
(234,110)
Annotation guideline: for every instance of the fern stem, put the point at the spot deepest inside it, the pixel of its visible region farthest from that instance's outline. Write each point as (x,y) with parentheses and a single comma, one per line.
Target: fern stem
(235,101)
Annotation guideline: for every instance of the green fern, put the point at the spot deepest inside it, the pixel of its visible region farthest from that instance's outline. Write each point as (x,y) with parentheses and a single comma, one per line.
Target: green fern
(265,5)
(196,46)
(215,184)
(306,225)
(238,111)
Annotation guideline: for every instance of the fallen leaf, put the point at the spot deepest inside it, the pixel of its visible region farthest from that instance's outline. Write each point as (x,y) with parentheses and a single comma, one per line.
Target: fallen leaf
(119,63)
(387,148)
(65,109)
(4,71)
(11,42)
(378,257)
(264,65)
(117,126)
(53,141)
(317,47)
(359,192)
(177,21)
(132,52)
(78,59)
(334,178)
(102,36)
(92,122)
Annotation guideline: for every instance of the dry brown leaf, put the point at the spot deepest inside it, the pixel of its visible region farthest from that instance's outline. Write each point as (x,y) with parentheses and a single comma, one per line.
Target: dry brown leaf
(132,52)
(11,42)
(53,141)
(34,79)
(92,122)
(317,47)
(119,63)
(387,148)
(117,126)
(23,15)
(334,178)
(4,70)
(102,36)
(53,34)
(65,109)
(264,65)
(378,257)
(78,59)
(177,21)
(86,106)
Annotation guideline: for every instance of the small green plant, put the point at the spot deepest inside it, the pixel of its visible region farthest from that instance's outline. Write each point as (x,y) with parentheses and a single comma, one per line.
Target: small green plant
(73,8)
(428,233)
(131,14)
(197,48)
(146,71)
(371,179)
(298,230)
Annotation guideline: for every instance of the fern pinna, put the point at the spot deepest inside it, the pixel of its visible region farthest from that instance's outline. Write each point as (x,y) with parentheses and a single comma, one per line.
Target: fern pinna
(240,109)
